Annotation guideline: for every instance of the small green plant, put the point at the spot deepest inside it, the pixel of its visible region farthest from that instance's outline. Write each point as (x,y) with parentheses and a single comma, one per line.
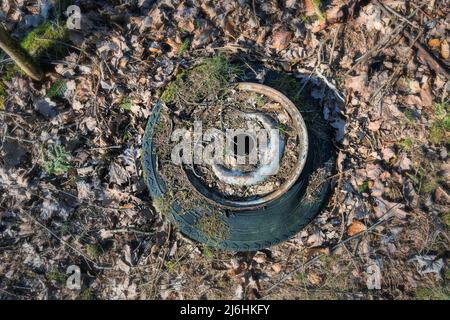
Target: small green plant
(446,219)
(424,181)
(406,144)
(172,89)
(208,252)
(9,72)
(291,87)
(213,226)
(126,104)
(438,133)
(172,265)
(3,94)
(198,23)
(301,277)
(441,126)
(56,276)
(316,15)
(441,110)
(205,81)
(433,293)
(57,89)
(184,46)
(56,160)
(260,100)
(164,203)
(94,250)
(364,187)
(65,228)
(86,294)
(2,90)
(126,136)
(409,114)
(43,38)
(283,129)
(317,7)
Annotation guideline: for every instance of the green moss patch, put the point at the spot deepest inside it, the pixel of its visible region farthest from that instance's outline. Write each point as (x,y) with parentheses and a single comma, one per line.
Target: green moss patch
(213,226)
(43,38)
(203,82)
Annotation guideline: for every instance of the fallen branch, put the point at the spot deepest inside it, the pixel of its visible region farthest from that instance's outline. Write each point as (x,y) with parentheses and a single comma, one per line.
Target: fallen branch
(19,55)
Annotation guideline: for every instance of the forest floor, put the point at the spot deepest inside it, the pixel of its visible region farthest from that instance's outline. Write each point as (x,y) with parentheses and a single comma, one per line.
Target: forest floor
(71,184)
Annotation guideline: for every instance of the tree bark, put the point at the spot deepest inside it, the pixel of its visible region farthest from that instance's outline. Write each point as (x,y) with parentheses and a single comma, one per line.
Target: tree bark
(19,55)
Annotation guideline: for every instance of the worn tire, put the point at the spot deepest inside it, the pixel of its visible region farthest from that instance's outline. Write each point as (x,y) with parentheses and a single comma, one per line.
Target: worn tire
(253,230)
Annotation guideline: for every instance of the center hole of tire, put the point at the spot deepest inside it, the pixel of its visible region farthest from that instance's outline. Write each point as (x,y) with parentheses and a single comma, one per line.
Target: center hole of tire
(243,145)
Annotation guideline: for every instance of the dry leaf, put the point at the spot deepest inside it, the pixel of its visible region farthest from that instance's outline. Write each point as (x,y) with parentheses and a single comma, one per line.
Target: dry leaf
(387,153)
(414,86)
(319,250)
(259,258)
(425,95)
(314,278)
(374,126)
(357,83)
(276,267)
(434,43)
(444,49)
(281,39)
(310,8)
(174,44)
(356,227)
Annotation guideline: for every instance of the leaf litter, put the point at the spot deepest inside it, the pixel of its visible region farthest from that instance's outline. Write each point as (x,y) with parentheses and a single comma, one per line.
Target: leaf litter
(386,99)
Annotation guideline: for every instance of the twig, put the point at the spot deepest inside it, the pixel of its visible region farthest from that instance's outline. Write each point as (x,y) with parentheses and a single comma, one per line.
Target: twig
(128,230)
(19,55)
(329,85)
(392,12)
(330,60)
(19,139)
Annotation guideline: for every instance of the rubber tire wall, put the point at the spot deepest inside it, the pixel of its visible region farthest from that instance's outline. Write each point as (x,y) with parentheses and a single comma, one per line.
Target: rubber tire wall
(252,230)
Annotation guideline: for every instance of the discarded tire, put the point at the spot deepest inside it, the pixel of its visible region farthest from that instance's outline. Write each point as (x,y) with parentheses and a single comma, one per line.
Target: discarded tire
(252,227)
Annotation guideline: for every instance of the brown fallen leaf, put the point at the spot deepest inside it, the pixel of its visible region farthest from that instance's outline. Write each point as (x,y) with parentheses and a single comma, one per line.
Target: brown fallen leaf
(444,50)
(441,195)
(319,250)
(318,25)
(357,83)
(187,25)
(314,278)
(426,96)
(374,125)
(173,44)
(387,153)
(276,267)
(434,43)
(236,271)
(281,39)
(309,7)
(356,227)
